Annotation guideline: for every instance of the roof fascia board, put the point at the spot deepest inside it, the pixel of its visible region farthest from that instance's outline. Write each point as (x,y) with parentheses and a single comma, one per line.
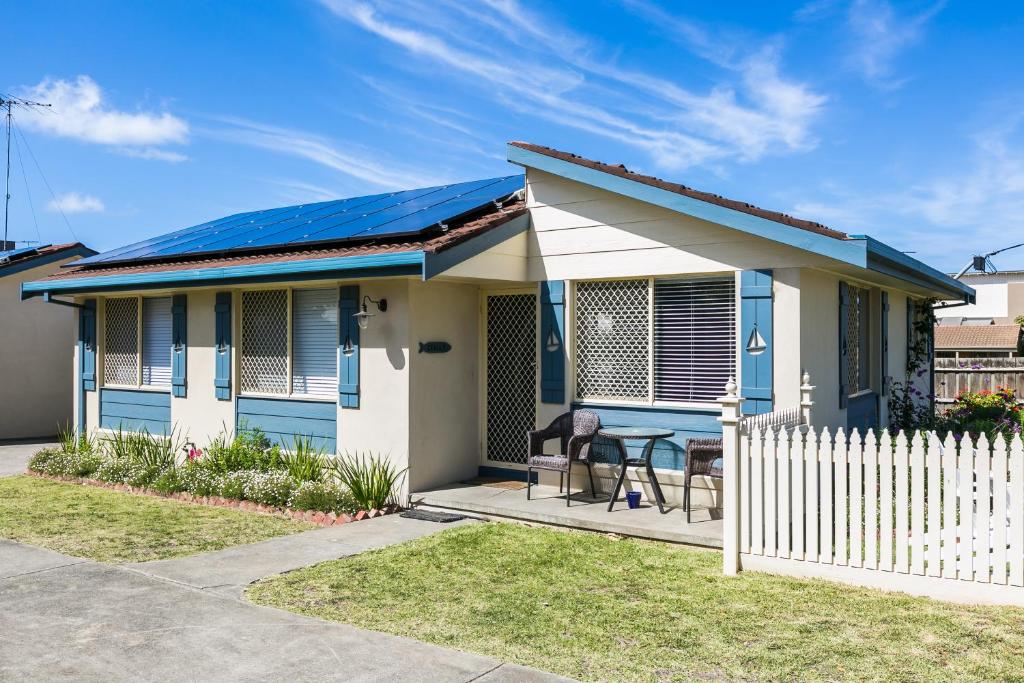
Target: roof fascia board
(22,265)
(885,259)
(436,263)
(369,265)
(847,251)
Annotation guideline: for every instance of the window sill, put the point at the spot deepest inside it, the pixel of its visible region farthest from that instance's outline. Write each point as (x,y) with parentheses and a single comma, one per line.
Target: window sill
(163,389)
(288,397)
(661,405)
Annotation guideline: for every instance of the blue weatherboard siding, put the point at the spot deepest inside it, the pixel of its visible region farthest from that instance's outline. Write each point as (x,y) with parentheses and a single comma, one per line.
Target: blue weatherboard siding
(283,419)
(179,344)
(348,331)
(134,410)
(552,323)
(222,369)
(668,453)
(756,315)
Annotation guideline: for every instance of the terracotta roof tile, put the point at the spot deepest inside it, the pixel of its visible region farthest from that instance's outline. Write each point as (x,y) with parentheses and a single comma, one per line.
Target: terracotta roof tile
(435,243)
(977,336)
(623,172)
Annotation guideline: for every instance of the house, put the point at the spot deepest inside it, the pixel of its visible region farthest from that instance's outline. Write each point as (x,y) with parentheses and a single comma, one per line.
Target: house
(978,341)
(1000,300)
(438,325)
(36,370)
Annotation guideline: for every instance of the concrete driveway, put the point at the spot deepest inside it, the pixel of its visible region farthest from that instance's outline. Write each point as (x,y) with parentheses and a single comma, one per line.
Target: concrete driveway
(14,456)
(64,618)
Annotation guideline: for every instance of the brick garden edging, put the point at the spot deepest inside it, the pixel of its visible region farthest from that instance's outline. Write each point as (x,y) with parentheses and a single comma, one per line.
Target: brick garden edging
(316,517)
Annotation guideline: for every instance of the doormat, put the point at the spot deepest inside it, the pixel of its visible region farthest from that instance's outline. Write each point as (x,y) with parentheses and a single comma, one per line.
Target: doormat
(432,516)
(497,483)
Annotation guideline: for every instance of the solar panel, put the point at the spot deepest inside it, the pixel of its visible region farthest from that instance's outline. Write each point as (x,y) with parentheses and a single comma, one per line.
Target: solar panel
(392,214)
(12,254)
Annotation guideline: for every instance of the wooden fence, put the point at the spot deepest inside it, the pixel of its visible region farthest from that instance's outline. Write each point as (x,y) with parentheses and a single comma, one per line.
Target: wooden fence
(954,375)
(925,516)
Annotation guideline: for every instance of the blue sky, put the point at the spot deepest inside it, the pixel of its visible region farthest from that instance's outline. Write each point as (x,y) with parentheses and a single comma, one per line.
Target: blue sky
(901,120)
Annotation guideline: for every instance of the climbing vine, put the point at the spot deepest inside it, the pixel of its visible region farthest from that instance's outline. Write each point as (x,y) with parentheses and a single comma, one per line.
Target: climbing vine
(909,407)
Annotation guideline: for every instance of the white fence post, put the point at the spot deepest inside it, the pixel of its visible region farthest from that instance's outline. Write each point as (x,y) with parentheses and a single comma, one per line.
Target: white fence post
(805,398)
(731,504)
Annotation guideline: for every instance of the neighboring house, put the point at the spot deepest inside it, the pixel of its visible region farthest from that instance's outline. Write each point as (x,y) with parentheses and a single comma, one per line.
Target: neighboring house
(596,287)
(36,370)
(1000,300)
(978,341)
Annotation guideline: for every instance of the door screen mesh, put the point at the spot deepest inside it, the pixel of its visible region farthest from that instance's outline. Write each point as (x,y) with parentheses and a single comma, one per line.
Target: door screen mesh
(511,375)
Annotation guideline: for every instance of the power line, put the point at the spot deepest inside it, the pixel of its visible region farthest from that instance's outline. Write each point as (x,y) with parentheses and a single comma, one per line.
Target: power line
(24,140)
(9,103)
(28,192)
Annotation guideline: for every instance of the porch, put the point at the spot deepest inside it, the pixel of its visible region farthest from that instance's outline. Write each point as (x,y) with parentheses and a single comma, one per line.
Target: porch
(495,497)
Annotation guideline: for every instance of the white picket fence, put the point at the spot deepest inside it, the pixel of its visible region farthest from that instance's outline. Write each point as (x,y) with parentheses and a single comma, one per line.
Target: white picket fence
(925,516)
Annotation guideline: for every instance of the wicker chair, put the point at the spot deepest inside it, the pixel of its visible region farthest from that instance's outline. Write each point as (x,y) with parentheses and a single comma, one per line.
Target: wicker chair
(574,430)
(700,457)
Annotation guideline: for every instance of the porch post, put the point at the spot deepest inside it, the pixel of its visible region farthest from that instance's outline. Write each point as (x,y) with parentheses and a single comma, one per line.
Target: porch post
(805,399)
(732,405)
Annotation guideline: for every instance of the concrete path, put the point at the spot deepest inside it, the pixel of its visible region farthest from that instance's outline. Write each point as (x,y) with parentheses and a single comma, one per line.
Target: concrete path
(63,618)
(230,570)
(14,456)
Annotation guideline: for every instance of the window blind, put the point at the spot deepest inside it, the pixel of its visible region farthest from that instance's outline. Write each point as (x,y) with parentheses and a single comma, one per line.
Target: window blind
(156,341)
(694,333)
(315,342)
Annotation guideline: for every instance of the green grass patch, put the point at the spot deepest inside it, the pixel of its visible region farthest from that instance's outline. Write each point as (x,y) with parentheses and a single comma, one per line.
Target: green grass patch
(601,609)
(112,526)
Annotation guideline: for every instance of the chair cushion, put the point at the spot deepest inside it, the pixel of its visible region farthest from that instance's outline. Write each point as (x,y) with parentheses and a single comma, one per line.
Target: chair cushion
(549,462)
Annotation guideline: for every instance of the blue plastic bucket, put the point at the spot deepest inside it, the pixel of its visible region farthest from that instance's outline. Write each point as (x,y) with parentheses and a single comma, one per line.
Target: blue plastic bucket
(633,499)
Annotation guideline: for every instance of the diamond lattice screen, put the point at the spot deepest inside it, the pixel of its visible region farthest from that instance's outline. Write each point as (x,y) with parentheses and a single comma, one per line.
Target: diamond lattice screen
(264,353)
(612,340)
(511,375)
(121,355)
(853,336)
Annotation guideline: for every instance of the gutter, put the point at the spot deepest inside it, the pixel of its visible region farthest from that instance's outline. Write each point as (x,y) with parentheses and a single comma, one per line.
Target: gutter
(343,267)
(884,259)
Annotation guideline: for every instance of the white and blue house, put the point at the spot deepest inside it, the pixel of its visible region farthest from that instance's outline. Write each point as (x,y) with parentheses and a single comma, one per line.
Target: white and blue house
(438,325)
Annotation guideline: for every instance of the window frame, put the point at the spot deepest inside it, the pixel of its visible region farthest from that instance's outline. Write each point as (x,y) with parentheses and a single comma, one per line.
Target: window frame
(289,335)
(139,343)
(650,401)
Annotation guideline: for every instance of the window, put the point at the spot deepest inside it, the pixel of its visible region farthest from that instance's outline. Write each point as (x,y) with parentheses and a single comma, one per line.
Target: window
(126,361)
(858,359)
(298,358)
(663,340)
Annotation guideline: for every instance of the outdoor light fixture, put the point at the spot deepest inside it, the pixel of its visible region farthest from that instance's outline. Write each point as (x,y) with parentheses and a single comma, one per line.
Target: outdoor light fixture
(552,344)
(363,316)
(756,345)
(347,349)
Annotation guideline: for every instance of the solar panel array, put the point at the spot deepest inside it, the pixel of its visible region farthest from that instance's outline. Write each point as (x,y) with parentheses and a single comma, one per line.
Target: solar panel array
(12,254)
(392,214)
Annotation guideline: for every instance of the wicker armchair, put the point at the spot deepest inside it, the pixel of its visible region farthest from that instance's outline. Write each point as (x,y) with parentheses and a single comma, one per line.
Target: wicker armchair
(701,455)
(574,430)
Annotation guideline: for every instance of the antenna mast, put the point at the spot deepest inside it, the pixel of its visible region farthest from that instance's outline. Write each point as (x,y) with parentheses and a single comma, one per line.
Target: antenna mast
(9,103)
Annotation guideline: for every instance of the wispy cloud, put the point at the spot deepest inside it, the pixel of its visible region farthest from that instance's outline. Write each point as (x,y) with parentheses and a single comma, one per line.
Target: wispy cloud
(152,153)
(349,159)
(878,35)
(73,202)
(79,111)
(547,71)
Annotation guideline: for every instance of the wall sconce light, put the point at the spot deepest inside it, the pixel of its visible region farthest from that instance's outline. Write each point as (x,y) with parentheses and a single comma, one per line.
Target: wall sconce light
(347,349)
(756,345)
(363,316)
(552,344)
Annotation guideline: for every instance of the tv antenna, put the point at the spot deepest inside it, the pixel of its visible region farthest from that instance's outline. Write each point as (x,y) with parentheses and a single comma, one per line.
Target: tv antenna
(9,104)
(982,263)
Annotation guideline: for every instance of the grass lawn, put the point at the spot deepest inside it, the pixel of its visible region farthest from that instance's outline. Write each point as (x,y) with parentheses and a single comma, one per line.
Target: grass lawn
(112,526)
(596,608)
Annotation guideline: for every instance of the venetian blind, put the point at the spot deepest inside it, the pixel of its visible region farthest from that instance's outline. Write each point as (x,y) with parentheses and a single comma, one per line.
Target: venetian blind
(156,341)
(315,342)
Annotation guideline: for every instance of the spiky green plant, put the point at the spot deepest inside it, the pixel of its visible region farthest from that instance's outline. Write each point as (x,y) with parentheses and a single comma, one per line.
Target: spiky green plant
(306,460)
(72,442)
(372,480)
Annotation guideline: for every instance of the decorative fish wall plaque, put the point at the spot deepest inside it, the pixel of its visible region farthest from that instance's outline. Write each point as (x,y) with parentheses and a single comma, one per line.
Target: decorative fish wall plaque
(435,347)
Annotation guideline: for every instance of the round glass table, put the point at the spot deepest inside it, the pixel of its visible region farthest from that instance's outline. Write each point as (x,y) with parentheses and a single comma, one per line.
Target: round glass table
(649,434)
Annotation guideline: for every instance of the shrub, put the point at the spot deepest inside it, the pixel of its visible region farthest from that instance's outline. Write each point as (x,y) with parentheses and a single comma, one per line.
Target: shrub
(249,450)
(306,462)
(56,461)
(325,496)
(372,481)
(198,479)
(270,488)
(232,485)
(156,453)
(125,470)
(71,442)
(168,482)
(984,412)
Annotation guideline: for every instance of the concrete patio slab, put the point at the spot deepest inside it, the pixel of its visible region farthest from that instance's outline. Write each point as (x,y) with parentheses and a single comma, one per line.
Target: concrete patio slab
(88,621)
(14,456)
(230,570)
(547,506)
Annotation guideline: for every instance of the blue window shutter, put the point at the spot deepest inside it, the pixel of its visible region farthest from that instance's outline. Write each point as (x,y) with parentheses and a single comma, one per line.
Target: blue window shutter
(179,344)
(885,344)
(87,344)
(756,325)
(348,333)
(222,371)
(844,353)
(552,329)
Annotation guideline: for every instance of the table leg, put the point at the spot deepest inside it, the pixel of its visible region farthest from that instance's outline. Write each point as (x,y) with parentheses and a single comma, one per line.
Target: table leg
(622,475)
(659,497)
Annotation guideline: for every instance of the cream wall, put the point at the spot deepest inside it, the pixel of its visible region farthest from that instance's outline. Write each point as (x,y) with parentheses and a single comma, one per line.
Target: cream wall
(37,354)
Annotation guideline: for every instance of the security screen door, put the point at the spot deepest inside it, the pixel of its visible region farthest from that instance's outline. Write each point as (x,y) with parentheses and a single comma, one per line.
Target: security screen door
(511,382)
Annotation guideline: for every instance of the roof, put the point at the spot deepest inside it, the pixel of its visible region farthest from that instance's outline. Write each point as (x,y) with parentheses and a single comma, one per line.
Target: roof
(621,171)
(1005,337)
(18,260)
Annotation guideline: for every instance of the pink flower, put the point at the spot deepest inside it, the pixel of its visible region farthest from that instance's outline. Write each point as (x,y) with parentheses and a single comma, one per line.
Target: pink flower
(194,453)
